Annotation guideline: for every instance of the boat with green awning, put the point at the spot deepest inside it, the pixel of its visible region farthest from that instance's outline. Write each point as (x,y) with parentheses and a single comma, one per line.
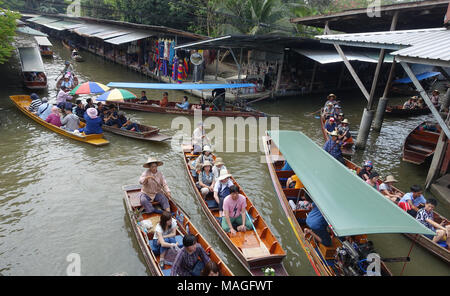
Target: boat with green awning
(351,207)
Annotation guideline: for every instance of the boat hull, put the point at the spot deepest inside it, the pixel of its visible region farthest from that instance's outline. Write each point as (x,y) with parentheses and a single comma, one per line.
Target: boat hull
(151,134)
(420,145)
(60,80)
(398,111)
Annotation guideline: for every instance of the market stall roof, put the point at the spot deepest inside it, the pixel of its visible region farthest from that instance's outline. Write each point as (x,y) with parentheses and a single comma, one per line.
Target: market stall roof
(89,30)
(43,41)
(415,15)
(30,59)
(111,33)
(350,205)
(42,20)
(63,25)
(419,77)
(133,36)
(328,56)
(178,86)
(30,31)
(249,42)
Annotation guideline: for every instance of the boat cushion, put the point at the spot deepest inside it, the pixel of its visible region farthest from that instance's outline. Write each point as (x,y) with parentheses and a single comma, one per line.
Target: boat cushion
(442,244)
(212,204)
(179,239)
(166,272)
(155,247)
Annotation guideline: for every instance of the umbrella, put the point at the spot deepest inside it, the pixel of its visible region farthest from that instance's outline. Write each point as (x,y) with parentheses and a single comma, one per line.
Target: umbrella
(116,95)
(89,88)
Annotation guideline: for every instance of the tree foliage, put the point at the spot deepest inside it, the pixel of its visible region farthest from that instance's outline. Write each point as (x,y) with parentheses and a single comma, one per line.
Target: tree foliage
(7,31)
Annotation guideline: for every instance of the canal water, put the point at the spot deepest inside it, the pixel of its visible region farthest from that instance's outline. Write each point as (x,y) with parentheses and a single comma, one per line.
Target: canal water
(60,197)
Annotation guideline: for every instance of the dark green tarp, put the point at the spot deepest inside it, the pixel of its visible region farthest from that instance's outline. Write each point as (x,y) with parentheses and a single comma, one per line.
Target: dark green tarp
(349,204)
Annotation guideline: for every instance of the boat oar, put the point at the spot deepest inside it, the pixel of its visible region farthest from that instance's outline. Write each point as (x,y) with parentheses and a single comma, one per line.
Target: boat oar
(314,112)
(167,195)
(254,229)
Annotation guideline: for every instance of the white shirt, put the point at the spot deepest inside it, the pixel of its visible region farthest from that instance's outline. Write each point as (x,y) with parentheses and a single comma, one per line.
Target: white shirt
(216,171)
(159,229)
(197,136)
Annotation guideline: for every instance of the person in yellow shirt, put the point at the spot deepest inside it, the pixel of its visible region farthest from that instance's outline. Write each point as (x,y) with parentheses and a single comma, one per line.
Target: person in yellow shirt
(294,182)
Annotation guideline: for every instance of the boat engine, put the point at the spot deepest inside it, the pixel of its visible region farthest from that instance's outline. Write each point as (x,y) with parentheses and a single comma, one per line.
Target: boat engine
(351,258)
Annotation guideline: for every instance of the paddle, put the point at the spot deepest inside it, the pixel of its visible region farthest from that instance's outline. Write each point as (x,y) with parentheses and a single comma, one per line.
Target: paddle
(254,229)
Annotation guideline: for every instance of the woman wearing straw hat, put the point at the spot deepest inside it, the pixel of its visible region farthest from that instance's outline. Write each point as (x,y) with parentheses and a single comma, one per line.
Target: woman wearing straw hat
(206,180)
(205,156)
(331,98)
(344,131)
(222,189)
(218,167)
(154,187)
(387,190)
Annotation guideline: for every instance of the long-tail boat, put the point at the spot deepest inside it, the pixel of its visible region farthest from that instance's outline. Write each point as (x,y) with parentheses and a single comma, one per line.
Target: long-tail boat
(22,102)
(33,71)
(255,248)
(60,80)
(342,199)
(421,142)
(144,235)
(397,110)
(146,133)
(346,148)
(439,249)
(44,46)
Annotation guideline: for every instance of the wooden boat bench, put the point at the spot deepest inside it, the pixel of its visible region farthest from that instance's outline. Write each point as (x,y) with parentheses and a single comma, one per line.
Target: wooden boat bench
(330,252)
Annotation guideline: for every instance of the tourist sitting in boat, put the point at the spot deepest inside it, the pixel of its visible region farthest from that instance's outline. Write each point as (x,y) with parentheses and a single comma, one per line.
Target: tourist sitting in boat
(219,166)
(165,100)
(367,168)
(409,104)
(63,95)
(428,127)
(143,99)
(286,166)
(66,83)
(201,105)
(294,182)
(199,138)
(387,190)
(425,216)
(344,131)
(154,187)
(222,189)
(89,104)
(328,110)
(54,117)
(184,105)
(69,121)
(331,98)
(300,205)
(339,118)
(164,237)
(333,146)
(67,68)
(44,109)
(35,103)
(191,260)
(337,110)
(318,225)
(373,180)
(235,213)
(206,179)
(420,103)
(205,156)
(211,269)
(435,98)
(412,201)
(330,126)
(127,124)
(93,122)
(79,109)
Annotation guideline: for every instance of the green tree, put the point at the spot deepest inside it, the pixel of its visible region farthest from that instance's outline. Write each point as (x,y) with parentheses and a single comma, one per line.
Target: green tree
(7,32)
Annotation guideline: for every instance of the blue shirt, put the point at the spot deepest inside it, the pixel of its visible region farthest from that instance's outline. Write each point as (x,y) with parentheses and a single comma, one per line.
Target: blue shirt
(416,201)
(44,110)
(93,126)
(315,219)
(330,127)
(184,105)
(333,148)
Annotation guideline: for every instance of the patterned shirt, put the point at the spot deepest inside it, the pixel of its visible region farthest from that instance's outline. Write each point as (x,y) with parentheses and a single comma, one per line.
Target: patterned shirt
(422,217)
(151,188)
(185,262)
(35,104)
(333,148)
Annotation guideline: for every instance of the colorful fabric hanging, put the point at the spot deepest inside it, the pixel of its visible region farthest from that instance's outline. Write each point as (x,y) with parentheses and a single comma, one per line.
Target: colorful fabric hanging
(171,52)
(180,73)
(174,69)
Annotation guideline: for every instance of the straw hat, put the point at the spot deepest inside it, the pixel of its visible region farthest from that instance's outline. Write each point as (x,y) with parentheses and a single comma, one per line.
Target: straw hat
(334,133)
(218,161)
(345,121)
(207,163)
(223,175)
(152,160)
(331,95)
(390,178)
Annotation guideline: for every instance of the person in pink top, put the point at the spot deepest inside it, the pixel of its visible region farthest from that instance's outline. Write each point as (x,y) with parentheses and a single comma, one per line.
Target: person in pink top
(235,213)
(373,180)
(63,95)
(54,117)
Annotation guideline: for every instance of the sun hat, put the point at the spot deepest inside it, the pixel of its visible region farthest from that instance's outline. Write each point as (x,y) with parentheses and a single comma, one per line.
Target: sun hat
(92,113)
(218,161)
(345,121)
(223,175)
(334,133)
(152,160)
(207,148)
(331,95)
(329,104)
(342,114)
(207,163)
(390,178)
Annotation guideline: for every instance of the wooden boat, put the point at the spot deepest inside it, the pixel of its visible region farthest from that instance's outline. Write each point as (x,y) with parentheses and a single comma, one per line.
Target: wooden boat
(77,58)
(321,258)
(144,236)
(254,249)
(420,144)
(66,45)
(436,249)
(346,148)
(33,71)
(397,110)
(148,133)
(153,106)
(23,102)
(60,80)
(44,46)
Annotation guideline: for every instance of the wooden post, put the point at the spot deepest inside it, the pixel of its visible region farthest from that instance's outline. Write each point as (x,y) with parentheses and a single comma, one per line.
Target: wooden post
(378,121)
(217,62)
(240,63)
(313,77)
(280,70)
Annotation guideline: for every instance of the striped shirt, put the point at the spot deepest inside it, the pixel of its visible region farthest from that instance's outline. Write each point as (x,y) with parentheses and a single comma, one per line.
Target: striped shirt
(35,105)
(185,262)
(422,217)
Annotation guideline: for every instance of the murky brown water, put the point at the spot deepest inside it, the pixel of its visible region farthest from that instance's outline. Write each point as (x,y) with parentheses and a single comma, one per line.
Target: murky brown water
(59,196)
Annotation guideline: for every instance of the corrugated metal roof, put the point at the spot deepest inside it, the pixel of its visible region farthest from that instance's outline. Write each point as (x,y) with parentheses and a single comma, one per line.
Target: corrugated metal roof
(42,20)
(43,41)
(30,59)
(431,44)
(62,25)
(332,56)
(129,38)
(90,29)
(30,31)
